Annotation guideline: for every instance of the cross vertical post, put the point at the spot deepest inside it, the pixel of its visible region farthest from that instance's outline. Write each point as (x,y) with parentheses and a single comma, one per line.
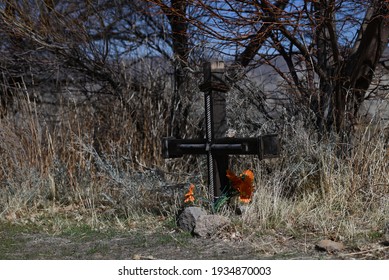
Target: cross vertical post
(215,88)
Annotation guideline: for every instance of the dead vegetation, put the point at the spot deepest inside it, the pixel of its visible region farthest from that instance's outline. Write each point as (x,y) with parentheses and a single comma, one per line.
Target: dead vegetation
(107,171)
(83,114)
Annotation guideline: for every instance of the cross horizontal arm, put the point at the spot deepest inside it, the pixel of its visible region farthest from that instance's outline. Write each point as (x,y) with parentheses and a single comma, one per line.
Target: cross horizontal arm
(266,146)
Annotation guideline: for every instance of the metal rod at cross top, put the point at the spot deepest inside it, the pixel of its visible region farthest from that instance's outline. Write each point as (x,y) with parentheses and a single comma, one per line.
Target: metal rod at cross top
(215,145)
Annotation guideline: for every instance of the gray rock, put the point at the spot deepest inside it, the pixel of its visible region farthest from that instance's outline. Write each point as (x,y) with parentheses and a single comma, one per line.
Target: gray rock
(188,217)
(329,246)
(208,225)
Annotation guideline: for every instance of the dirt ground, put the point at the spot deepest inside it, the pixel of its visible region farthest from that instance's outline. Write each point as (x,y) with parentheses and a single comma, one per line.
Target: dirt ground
(20,242)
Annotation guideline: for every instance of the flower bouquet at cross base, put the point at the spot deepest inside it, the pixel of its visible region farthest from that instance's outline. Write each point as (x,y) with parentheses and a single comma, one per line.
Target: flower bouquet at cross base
(189,196)
(193,198)
(242,186)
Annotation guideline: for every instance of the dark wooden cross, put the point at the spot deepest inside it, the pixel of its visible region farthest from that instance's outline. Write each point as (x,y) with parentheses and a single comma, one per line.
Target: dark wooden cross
(216,145)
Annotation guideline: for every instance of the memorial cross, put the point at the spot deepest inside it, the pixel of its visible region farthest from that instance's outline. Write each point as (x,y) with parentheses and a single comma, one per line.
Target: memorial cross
(216,145)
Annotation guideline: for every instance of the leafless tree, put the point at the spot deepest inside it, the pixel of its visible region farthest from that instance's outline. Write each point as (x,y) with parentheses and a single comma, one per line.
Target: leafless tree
(331,48)
(90,45)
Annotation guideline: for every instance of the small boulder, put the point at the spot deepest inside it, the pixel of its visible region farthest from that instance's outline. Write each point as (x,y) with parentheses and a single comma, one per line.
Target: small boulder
(329,246)
(207,225)
(187,218)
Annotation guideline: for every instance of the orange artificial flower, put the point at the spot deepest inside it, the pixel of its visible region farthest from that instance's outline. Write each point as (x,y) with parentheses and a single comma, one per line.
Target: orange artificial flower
(189,196)
(243,184)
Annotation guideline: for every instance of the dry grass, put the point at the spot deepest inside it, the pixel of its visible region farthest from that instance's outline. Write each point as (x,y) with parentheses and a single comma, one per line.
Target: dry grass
(100,160)
(313,189)
(101,166)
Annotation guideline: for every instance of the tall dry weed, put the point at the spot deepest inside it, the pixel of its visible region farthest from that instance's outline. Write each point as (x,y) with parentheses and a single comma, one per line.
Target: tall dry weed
(311,188)
(100,157)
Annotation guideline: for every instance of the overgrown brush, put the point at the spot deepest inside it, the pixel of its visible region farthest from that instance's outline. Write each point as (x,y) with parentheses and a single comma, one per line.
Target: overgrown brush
(101,164)
(102,158)
(313,189)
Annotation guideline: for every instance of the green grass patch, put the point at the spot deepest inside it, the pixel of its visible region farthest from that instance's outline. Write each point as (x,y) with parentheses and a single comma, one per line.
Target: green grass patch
(12,240)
